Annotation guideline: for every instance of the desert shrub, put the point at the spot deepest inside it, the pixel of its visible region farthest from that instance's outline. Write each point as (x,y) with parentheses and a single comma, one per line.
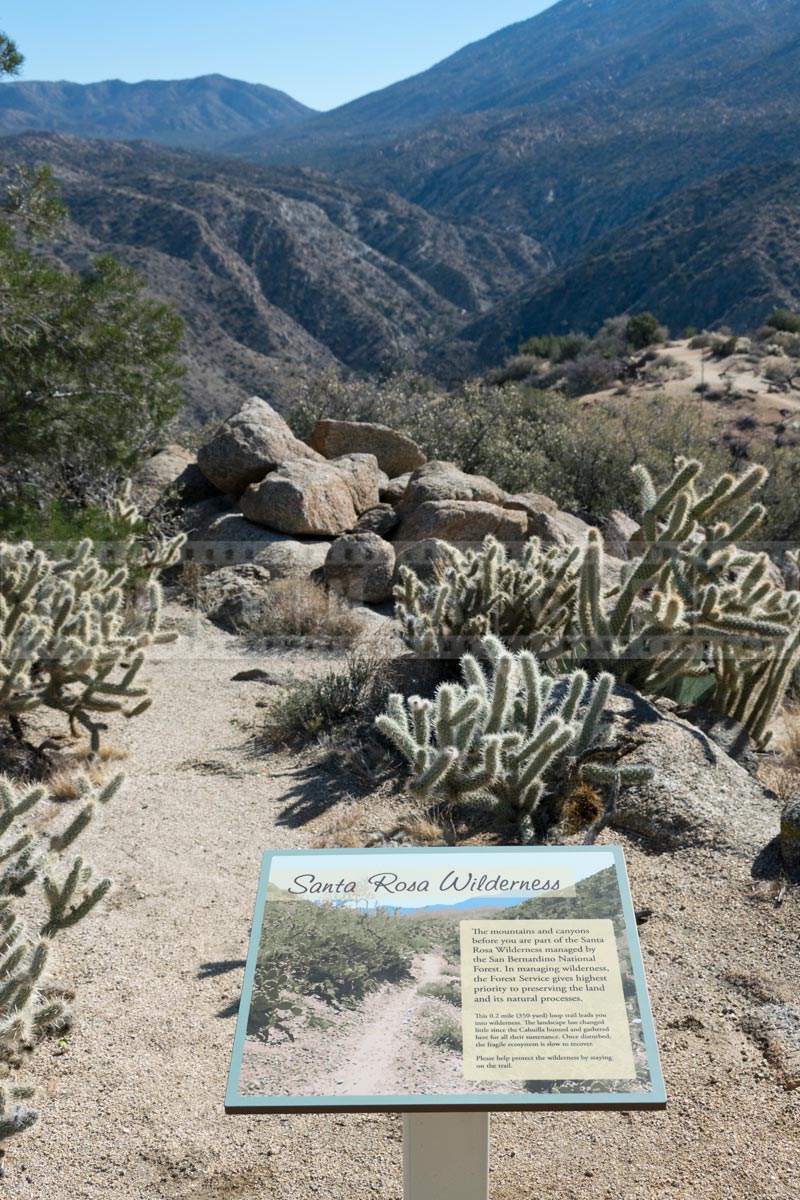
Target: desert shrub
(445,1033)
(555,347)
(700,341)
(515,370)
(724,347)
(349,695)
(335,953)
(302,608)
(72,635)
(591,371)
(643,330)
(43,892)
(785,320)
(450,991)
(782,372)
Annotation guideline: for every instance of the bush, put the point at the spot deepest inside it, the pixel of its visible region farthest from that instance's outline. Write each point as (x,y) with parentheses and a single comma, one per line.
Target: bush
(555,347)
(643,330)
(450,991)
(351,695)
(335,954)
(444,1033)
(591,372)
(784,320)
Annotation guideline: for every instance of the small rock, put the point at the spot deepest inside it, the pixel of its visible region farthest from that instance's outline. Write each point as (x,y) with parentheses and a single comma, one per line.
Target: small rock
(381,519)
(618,529)
(790,835)
(393,491)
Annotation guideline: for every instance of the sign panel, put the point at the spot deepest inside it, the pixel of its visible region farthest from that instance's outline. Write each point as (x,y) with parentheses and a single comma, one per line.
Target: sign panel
(444,979)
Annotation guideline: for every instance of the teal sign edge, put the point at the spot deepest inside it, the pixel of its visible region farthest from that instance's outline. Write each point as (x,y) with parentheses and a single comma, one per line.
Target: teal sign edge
(656,1098)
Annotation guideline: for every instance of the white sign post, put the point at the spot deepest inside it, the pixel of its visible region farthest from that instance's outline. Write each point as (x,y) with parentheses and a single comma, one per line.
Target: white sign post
(446,1156)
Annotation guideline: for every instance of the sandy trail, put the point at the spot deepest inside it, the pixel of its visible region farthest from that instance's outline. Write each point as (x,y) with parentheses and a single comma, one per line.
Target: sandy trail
(366,1063)
(133,1109)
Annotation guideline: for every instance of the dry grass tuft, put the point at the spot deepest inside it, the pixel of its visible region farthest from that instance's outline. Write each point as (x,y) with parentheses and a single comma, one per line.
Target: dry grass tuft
(303,608)
(68,784)
(344,829)
(422,830)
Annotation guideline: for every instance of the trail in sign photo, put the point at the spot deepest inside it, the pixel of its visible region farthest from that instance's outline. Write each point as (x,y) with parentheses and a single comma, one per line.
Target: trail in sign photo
(380,1048)
(374,1058)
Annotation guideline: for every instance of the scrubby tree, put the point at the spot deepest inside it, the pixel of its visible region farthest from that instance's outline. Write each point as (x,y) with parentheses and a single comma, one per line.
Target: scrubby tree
(643,329)
(88,373)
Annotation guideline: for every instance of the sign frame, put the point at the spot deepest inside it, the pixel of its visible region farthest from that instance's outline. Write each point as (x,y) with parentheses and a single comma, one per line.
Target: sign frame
(249,1105)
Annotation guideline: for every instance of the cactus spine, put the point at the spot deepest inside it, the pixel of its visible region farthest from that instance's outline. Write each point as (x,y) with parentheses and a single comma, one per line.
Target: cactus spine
(694,605)
(31,1006)
(527,603)
(69,638)
(503,735)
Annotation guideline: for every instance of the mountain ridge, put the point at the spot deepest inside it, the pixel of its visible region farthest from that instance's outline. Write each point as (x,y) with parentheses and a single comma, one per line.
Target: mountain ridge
(203,113)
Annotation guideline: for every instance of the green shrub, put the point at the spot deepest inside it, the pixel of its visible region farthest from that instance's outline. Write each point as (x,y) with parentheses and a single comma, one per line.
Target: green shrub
(335,953)
(450,991)
(784,320)
(349,695)
(643,330)
(444,1033)
(555,347)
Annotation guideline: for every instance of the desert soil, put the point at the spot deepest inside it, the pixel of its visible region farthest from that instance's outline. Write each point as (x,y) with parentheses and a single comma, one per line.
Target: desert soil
(131,1107)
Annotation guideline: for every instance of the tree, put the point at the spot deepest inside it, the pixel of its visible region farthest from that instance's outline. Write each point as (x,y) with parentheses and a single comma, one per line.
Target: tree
(88,374)
(643,329)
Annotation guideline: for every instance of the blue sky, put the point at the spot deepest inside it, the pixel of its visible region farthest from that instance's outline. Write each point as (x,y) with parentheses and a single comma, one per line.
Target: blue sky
(323,52)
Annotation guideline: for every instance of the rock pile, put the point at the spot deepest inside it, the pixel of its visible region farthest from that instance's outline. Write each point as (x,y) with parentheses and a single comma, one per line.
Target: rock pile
(348,508)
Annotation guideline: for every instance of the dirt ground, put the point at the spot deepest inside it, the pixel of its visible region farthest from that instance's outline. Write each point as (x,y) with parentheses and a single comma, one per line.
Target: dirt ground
(133,1110)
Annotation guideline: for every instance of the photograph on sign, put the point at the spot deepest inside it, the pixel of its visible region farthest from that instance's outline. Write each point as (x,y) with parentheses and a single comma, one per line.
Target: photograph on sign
(447,978)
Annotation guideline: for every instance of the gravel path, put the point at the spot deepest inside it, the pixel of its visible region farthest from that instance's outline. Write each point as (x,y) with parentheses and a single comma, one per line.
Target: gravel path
(133,1109)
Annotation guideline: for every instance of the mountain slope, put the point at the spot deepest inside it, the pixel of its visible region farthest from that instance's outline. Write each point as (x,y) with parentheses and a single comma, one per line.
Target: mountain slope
(276,272)
(729,247)
(202,113)
(580,55)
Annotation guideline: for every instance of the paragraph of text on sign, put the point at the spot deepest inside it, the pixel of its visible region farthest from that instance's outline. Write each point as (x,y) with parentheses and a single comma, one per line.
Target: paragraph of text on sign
(543,1000)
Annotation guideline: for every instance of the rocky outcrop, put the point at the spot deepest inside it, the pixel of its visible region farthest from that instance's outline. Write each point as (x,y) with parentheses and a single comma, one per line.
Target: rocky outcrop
(393,491)
(698,796)
(559,529)
(396,453)
(618,529)
(317,498)
(237,597)
(381,519)
(463,522)
(250,444)
(360,566)
(228,538)
(171,473)
(438,481)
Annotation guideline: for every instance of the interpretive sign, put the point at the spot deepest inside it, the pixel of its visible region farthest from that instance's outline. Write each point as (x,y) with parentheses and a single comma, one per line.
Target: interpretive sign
(444,979)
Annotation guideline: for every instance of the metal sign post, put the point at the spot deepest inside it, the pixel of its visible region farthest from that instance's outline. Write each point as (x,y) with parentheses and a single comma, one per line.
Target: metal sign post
(446,1156)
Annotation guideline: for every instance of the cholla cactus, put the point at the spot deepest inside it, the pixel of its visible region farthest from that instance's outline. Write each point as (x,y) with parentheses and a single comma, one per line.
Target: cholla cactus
(504,734)
(69,640)
(693,605)
(31,1007)
(527,602)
